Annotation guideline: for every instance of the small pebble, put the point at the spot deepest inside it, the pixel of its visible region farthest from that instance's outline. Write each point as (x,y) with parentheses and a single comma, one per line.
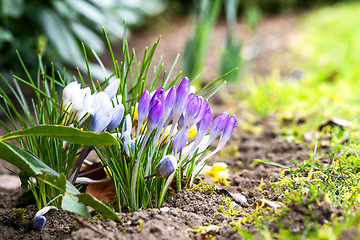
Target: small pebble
(38,222)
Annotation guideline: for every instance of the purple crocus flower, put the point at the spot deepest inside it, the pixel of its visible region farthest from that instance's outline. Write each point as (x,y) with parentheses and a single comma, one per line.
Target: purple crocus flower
(166,166)
(116,116)
(191,110)
(143,108)
(204,124)
(228,131)
(203,105)
(100,120)
(180,143)
(218,125)
(169,102)
(182,93)
(155,115)
(112,88)
(158,95)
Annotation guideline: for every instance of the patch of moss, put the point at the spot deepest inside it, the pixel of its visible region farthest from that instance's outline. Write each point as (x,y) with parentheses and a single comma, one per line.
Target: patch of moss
(17,220)
(204,187)
(228,206)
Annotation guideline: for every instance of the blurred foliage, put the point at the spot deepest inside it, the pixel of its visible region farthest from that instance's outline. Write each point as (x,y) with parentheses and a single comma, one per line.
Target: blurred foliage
(196,47)
(329,67)
(56,28)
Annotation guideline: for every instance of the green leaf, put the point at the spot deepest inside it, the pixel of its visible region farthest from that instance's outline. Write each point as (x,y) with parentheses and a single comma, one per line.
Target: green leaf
(35,168)
(65,133)
(71,203)
(12,8)
(60,36)
(102,208)
(24,160)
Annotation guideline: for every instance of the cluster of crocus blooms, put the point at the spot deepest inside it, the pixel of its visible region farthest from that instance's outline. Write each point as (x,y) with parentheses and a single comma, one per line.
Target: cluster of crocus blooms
(184,110)
(104,106)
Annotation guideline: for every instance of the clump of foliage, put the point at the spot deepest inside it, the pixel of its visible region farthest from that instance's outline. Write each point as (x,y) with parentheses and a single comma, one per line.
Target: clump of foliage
(147,140)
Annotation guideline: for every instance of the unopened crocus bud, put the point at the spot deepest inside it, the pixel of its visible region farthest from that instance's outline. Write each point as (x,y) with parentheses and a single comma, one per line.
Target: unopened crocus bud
(127,125)
(100,120)
(70,90)
(78,101)
(38,222)
(101,101)
(143,107)
(166,166)
(127,142)
(116,117)
(228,131)
(204,124)
(155,115)
(169,102)
(180,139)
(191,110)
(182,94)
(158,95)
(112,88)
(218,125)
(203,106)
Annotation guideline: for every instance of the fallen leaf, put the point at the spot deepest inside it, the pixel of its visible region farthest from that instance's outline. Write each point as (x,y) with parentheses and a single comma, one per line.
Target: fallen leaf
(208,229)
(237,197)
(103,191)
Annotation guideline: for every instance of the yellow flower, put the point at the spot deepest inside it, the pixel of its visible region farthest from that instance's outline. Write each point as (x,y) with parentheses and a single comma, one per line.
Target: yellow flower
(217,172)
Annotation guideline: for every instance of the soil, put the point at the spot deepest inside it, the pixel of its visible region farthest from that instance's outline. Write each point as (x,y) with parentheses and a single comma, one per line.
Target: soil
(185,214)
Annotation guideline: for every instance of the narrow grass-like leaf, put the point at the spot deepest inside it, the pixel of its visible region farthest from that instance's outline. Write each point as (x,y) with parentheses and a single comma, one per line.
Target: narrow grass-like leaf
(65,133)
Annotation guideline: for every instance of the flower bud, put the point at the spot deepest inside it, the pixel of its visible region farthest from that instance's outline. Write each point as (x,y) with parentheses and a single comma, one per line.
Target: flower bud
(182,93)
(100,120)
(158,95)
(101,100)
(180,143)
(169,102)
(191,111)
(204,124)
(143,107)
(116,116)
(218,125)
(78,101)
(112,88)
(69,91)
(229,129)
(166,166)
(203,106)
(155,115)
(38,222)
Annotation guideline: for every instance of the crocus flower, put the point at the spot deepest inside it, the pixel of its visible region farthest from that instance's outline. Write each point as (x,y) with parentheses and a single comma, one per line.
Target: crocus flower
(143,108)
(169,102)
(166,166)
(158,95)
(112,88)
(228,131)
(38,222)
(101,100)
(116,116)
(69,91)
(155,115)
(190,111)
(100,120)
(182,93)
(180,139)
(218,125)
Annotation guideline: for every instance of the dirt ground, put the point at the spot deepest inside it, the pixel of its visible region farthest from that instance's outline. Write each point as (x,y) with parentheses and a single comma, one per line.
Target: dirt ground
(183,213)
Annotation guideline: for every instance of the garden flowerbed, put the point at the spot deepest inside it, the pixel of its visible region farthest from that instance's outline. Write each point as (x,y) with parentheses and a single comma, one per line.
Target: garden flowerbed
(275,187)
